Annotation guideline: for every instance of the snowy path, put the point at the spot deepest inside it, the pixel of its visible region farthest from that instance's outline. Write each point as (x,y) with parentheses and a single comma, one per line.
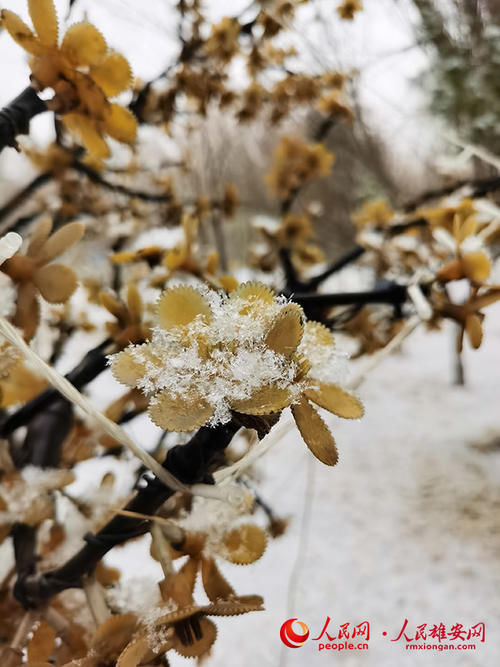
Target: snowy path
(406,526)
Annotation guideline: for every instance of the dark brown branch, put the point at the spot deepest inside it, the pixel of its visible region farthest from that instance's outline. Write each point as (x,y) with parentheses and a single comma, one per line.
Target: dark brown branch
(15,117)
(98,179)
(480,187)
(191,463)
(20,197)
(316,305)
(346,259)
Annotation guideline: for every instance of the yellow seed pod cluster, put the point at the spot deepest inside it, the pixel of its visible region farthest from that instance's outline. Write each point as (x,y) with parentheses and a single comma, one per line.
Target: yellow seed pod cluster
(82,71)
(250,352)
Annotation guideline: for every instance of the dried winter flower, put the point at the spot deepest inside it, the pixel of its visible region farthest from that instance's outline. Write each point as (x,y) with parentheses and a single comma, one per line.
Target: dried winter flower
(249,352)
(32,273)
(296,163)
(375,213)
(81,70)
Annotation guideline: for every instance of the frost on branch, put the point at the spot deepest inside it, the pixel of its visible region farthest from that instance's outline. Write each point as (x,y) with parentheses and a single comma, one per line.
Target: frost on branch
(250,352)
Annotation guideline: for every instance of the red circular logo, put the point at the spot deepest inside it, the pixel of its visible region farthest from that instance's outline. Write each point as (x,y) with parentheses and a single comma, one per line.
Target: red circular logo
(290,637)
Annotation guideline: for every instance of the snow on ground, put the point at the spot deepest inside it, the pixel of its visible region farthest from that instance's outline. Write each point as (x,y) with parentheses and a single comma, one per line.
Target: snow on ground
(406,525)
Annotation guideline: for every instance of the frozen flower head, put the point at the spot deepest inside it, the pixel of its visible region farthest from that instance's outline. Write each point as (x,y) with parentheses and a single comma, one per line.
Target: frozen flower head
(81,70)
(250,352)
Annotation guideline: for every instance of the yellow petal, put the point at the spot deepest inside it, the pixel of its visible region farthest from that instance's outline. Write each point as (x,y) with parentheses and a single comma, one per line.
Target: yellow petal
(127,368)
(113,74)
(112,305)
(244,545)
(38,236)
(254,296)
(315,433)
(175,257)
(318,334)
(120,123)
(93,101)
(179,414)
(336,400)
(286,331)
(474,330)
(56,282)
(229,283)
(461,230)
(44,17)
(264,401)
(83,44)
(181,305)
(87,133)
(476,266)
(60,241)
(134,303)
(20,32)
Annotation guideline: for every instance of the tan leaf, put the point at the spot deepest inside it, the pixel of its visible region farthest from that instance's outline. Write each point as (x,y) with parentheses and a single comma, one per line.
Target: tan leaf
(181,305)
(286,331)
(134,303)
(264,401)
(474,330)
(56,537)
(180,586)
(192,545)
(86,130)
(38,236)
(106,575)
(127,368)
(491,296)
(20,32)
(41,645)
(178,615)
(452,271)
(243,604)
(20,386)
(56,282)
(244,545)
(215,585)
(315,433)
(133,654)
(27,315)
(336,400)
(113,635)
(180,414)
(121,124)
(113,306)
(44,17)
(198,647)
(113,74)
(83,44)
(64,238)
(477,266)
